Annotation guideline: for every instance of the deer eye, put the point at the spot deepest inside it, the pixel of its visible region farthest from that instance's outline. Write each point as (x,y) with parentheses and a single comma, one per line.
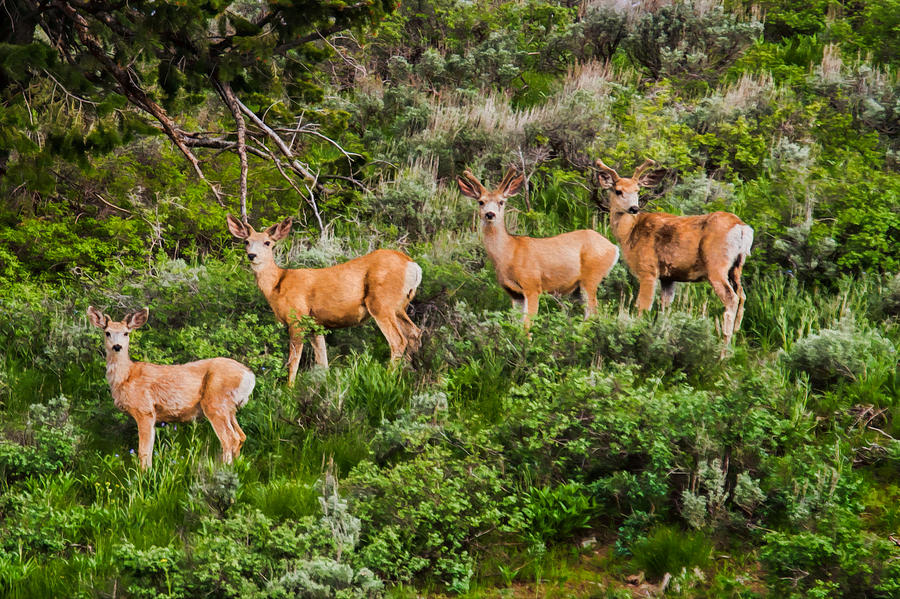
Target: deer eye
(107,333)
(481,202)
(126,334)
(268,243)
(246,242)
(618,192)
(501,202)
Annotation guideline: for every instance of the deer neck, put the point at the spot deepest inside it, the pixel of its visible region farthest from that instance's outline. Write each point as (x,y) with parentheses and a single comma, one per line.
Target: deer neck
(497,241)
(268,276)
(622,224)
(118,367)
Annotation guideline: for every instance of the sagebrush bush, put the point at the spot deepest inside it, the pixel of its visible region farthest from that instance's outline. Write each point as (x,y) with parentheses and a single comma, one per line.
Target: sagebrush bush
(849,351)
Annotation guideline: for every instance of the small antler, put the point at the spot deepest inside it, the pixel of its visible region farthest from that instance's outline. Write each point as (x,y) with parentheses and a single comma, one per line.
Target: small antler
(607,169)
(511,174)
(640,170)
(474,180)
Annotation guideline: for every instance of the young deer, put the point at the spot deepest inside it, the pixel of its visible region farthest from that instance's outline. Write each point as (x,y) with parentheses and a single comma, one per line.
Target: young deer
(153,393)
(670,249)
(529,266)
(380,284)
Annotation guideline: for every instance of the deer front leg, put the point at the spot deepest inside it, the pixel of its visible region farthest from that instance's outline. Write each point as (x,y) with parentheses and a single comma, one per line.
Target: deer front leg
(645,294)
(146,424)
(296,348)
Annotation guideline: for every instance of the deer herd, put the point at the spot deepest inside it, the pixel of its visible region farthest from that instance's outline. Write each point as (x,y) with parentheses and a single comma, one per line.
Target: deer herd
(655,246)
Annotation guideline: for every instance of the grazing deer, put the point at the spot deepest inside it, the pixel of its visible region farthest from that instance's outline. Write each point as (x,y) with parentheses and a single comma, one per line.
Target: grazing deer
(153,393)
(529,266)
(670,249)
(380,284)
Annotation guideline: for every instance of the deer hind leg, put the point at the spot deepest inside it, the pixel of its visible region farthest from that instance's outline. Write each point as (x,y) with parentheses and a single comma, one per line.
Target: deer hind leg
(220,417)
(589,297)
(236,451)
(409,329)
(666,293)
(735,277)
(146,424)
(320,350)
(645,293)
(386,319)
(730,299)
(595,271)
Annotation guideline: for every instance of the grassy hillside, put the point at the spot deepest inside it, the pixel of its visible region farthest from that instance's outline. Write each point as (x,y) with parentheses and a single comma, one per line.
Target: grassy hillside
(601,458)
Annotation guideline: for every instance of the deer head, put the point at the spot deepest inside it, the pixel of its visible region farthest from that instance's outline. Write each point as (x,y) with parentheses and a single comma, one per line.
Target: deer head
(623,191)
(259,244)
(117,332)
(491,203)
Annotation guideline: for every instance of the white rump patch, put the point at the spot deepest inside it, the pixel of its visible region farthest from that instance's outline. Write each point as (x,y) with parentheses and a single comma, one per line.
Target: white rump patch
(412,280)
(738,241)
(242,394)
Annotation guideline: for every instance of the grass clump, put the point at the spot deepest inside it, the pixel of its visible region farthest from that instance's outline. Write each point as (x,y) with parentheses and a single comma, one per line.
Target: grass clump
(668,550)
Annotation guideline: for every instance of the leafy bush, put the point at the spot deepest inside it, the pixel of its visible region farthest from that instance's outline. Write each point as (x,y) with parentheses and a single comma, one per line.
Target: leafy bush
(422,517)
(49,443)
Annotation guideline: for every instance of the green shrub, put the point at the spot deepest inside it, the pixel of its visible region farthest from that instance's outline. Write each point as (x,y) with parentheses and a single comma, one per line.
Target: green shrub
(422,517)
(688,39)
(557,513)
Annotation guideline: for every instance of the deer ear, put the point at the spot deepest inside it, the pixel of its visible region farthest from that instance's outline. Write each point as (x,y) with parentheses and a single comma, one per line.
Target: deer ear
(652,178)
(467,187)
(236,227)
(513,187)
(607,175)
(606,180)
(137,319)
(97,318)
(280,230)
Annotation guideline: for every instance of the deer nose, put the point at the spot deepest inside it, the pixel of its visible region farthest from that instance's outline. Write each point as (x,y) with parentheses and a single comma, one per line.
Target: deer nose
(117,347)
(633,210)
(251,256)
(489,215)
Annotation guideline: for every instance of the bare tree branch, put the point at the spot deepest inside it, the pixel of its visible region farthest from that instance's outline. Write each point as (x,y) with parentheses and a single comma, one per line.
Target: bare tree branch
(232,102)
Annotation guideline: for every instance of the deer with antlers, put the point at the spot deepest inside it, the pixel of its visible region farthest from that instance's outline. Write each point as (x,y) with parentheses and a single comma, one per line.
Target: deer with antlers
(669,248)
(153,393)
(380,284)
(529,266)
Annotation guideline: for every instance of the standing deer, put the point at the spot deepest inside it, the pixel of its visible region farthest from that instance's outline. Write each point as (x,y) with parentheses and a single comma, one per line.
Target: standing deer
(380,284)
(153,393)
(529,266)
(670,249)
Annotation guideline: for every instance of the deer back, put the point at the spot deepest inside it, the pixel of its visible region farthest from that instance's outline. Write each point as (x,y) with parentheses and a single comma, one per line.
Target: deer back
(337,296)
(176,392)
(680,248)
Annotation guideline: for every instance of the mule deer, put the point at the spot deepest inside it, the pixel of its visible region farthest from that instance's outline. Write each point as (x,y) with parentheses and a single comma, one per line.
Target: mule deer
(670,248)
(153,393)
(380,284)
(529,266)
